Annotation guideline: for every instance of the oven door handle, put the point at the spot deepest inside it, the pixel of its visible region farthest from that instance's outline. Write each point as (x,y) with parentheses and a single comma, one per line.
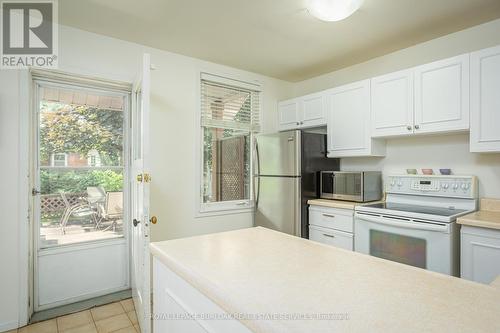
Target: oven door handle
(408,224)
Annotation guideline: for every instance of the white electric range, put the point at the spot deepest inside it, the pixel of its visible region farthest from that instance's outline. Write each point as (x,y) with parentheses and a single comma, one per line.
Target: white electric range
(416,223)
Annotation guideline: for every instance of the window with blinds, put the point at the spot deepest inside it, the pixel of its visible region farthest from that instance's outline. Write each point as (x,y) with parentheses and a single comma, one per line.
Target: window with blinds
(230,112)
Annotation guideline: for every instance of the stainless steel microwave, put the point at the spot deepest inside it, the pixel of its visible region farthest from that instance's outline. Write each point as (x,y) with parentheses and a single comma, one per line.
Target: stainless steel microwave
(359,186)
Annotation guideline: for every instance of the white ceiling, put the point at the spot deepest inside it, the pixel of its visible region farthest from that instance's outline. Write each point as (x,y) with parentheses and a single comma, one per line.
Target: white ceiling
(277,38)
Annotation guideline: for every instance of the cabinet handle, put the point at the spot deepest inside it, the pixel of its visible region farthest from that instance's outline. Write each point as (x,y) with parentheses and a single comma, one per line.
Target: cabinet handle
(329,215)
(327,235)
(408,128)
(298,123)
(302,123)
(417,126)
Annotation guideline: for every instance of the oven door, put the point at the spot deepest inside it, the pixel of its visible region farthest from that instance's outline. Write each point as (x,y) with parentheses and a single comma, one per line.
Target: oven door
(424,244)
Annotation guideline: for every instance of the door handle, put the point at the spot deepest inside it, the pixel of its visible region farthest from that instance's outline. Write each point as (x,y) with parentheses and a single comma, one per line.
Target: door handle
(153,220)
(136,222)
(256,195)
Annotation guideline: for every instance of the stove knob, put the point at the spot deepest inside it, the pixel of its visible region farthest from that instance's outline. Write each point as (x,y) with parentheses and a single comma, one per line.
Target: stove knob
(465,186)
(393,182)
(445,186)
(400,183)
(455,186)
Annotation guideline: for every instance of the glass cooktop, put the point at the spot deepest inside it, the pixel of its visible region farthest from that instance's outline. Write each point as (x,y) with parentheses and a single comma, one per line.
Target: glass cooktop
(417,209)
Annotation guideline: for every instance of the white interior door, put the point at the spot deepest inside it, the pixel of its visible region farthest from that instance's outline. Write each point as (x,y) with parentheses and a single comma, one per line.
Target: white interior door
(140,179)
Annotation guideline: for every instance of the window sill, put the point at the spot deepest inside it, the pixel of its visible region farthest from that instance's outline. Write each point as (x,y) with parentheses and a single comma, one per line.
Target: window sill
(223,209)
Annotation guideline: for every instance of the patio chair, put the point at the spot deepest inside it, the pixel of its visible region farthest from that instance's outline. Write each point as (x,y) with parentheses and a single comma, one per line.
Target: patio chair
(79,209)
(95,195)
(112,209)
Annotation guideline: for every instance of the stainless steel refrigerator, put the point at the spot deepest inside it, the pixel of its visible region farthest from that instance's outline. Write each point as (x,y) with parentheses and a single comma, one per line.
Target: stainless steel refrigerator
(286,177)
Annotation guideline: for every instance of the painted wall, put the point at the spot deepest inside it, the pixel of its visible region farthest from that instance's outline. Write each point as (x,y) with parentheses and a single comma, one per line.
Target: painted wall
(436,152)
(174,105)
(9,203)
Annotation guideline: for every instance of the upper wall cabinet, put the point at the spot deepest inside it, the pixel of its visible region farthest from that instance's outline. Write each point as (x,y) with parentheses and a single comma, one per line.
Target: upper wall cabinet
(442,96)
(392,104)
(349,122)
(288,112)
(485,100)
(303,112)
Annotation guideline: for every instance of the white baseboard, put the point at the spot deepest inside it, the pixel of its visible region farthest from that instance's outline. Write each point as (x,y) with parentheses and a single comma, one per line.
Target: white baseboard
(4,327)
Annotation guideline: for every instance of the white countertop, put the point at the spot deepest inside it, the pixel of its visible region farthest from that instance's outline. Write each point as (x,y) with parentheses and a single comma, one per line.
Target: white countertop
(256,271)
(338,203)
(487,217)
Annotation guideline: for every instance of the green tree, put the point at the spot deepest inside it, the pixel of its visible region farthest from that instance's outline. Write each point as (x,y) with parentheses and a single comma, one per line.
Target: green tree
(79,129)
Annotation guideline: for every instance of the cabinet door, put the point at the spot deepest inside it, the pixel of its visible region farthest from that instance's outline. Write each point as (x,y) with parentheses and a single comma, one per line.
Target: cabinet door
(392,104)
(333,218)
(313,110)
(442,96)
(349,121)
(485,100)
(480,254)
(288,114)
(336,238)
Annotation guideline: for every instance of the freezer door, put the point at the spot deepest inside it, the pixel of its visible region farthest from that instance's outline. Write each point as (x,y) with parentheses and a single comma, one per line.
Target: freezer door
(278,154)
(278,204)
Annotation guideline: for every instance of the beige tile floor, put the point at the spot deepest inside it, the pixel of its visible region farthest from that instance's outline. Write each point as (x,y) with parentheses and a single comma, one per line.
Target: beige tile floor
(118,317)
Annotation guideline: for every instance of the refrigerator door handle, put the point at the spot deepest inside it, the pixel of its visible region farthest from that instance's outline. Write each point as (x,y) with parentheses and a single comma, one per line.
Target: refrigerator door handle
(257,193)
(298,208)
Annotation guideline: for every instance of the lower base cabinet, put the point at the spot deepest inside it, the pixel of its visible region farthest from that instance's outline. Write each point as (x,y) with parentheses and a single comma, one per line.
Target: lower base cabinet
(332,237)
(480,254)
(178,307)
(332,226)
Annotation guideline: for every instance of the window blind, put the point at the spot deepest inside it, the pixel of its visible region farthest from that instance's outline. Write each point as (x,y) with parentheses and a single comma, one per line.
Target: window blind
(229,106)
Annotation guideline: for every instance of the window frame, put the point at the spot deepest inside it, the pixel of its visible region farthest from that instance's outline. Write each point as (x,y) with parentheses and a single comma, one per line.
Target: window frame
(222,207)
(53,160)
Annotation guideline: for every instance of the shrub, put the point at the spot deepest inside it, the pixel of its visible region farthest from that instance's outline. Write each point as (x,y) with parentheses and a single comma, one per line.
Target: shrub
(54,181)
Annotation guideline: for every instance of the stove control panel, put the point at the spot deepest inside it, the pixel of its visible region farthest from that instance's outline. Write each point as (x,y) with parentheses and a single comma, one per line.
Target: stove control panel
(433,185)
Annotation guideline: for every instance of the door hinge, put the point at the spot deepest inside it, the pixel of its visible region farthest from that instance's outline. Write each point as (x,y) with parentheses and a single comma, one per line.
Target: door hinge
(34,191)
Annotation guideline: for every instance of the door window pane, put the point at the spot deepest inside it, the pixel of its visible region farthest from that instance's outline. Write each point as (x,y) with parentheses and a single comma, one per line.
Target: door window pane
(80,153)
(400,248)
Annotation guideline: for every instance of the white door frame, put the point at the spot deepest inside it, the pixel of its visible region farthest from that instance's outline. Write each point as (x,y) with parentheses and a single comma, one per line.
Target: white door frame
(28,166)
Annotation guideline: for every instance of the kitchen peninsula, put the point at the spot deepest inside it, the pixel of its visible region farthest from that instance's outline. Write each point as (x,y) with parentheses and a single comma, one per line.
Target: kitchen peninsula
(274,282)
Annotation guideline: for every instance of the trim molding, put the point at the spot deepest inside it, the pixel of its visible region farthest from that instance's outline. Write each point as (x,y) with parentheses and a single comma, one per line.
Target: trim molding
(11,325)
(78,79)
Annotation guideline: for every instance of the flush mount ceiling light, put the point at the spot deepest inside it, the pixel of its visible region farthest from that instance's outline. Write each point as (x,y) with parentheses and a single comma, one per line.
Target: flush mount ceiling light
(333,10)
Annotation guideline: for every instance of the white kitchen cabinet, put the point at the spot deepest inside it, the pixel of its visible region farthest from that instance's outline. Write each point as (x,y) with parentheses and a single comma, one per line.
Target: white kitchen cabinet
(485,100)
(178,307)
(442,96)
(349,122)
(313,110)
(332,218)
(480,254)
(332,226)
(288,114)
(302,112)
(343,240)
(392,105)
